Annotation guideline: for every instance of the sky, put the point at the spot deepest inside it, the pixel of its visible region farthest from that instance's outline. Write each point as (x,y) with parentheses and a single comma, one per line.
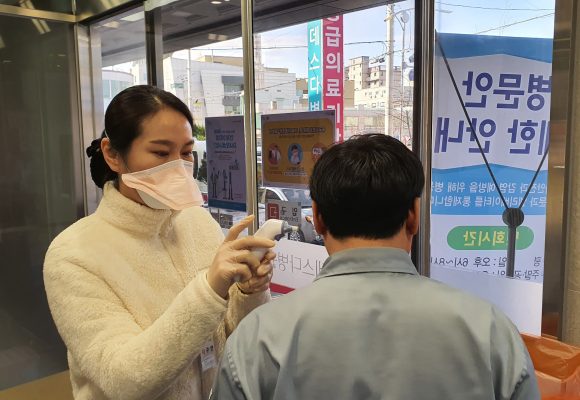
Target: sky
(524,18)
(287,47)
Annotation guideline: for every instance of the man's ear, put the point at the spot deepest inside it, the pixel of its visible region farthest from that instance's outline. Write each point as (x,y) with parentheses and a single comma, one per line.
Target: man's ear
(112,157)
(412,223)
(319,225)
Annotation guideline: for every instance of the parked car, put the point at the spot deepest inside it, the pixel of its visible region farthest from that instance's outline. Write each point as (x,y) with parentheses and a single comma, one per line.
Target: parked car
(306,233)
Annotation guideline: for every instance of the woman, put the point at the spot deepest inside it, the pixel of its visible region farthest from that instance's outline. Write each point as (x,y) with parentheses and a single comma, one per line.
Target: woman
(142,291)
(295,158)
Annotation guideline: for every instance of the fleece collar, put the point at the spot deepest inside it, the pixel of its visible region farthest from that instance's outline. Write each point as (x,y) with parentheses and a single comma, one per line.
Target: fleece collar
(133,217)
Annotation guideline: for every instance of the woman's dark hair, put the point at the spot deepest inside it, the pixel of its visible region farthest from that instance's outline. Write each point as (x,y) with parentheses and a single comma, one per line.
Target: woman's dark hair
(366,186)
(123,123)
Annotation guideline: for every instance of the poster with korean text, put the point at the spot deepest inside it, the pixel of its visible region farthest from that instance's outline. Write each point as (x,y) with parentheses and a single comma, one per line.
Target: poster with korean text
(292,143)
(226,169)
(506,85)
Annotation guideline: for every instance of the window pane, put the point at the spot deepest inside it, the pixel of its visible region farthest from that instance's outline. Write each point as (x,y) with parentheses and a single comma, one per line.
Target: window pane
(358,64)
(205,70)
(45,5)
(118,48)
(37,186)
(122,47)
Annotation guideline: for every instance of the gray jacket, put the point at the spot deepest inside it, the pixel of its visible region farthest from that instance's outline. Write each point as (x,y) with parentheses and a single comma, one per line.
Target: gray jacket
(370,327)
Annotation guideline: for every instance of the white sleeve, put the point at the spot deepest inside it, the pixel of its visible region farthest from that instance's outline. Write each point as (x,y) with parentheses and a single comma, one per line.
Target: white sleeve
(111,349)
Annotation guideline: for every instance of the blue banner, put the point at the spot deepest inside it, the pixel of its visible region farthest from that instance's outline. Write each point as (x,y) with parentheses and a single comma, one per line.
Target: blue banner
(315,66)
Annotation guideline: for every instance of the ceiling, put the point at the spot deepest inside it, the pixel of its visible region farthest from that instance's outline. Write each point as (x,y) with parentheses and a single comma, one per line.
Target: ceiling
(192,23)
(62,6)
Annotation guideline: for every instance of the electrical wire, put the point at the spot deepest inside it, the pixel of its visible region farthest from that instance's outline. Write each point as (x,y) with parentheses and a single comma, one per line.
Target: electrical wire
(495,8)
(514,23)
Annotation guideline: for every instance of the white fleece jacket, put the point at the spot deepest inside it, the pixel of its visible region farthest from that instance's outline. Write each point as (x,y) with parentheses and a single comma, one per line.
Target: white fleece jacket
(128,292)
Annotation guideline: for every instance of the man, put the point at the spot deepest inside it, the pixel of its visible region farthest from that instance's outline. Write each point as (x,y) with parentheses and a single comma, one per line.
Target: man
(370,327)
(295,158)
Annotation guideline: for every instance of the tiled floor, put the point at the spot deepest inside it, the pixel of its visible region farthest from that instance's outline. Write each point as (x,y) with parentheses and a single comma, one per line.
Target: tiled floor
(26,354)
(54,387)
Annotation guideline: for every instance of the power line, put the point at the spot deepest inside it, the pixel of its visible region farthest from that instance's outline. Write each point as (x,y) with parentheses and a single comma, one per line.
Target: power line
(496,8)
(284,47)
(515,23)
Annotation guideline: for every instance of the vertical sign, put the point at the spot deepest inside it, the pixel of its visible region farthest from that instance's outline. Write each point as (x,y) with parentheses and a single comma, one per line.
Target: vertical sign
(506,85)
(333,79)
(315,65)
(226,170)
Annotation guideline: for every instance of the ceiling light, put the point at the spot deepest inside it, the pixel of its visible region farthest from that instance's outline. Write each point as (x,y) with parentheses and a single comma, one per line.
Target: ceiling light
(134,17)
(112,24)
(27,4)
(40,26)
(44,26)
(216,2)
(181,14)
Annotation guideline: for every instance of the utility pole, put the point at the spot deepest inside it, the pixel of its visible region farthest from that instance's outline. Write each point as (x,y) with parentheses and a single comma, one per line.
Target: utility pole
(258,66)
(188,75)
(402,96)
(404,19)
(388,75)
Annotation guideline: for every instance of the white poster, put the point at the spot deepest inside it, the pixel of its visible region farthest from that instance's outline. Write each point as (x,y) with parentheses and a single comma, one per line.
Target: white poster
(226,169)
(506,85)
(520,300)
(296,265)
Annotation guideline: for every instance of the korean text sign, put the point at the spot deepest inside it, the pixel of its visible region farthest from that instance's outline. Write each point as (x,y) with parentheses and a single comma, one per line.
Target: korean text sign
(315,65)
(506,85)
(333,75)
(296,265)
(326,68)
(292,143)
(226,169)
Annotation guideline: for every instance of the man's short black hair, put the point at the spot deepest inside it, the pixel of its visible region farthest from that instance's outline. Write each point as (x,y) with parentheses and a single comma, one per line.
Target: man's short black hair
(366,186)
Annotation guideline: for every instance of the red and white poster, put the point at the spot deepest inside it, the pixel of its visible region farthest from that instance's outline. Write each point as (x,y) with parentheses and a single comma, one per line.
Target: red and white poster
(333,75)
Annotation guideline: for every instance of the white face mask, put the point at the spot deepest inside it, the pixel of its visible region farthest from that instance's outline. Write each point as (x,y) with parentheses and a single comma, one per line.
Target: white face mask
(169,186)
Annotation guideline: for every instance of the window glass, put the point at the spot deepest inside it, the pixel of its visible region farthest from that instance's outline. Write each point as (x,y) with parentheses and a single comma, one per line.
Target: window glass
(358,63)
(120,41)
(39,195)
(118,49)
(205,70)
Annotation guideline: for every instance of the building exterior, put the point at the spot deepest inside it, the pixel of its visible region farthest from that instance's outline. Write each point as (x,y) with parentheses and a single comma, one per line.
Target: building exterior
(216,88)
(372,92)
(113,83)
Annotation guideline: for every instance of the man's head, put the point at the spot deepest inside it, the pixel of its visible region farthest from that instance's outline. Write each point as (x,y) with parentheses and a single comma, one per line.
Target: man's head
(367,189)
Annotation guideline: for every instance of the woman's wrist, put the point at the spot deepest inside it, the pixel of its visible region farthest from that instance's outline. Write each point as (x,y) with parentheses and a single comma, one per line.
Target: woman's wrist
(216,287)
(241,289)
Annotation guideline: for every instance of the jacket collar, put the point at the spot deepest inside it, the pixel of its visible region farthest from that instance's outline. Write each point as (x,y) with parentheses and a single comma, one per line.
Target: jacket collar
(364,260)
(131,216)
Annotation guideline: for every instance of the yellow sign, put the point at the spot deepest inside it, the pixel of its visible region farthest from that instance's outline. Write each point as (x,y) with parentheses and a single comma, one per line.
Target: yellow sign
(292,143)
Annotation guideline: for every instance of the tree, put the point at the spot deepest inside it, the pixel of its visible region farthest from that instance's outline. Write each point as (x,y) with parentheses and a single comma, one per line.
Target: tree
(199,132)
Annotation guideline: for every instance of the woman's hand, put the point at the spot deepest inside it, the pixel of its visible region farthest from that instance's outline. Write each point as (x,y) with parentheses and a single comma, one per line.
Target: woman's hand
(234,260)
(260,280)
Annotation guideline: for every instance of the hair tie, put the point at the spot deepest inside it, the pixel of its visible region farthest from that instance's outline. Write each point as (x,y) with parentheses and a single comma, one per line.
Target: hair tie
(94,148)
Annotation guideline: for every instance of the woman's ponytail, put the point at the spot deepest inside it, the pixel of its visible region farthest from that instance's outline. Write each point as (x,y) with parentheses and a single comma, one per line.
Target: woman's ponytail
(100,171)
